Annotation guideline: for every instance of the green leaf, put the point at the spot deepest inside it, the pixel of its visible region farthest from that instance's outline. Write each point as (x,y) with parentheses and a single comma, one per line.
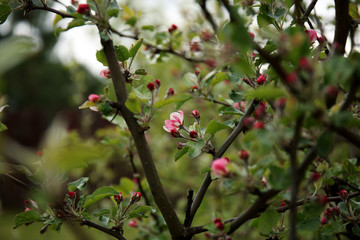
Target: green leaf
(141,71)
(181,98)
(278,177)
(100,56)
(268,220)
(236,96)
(131,21)
(113,9)
(122,53)
(333,228)
(214,126)
(126,186)
(356,230)
(263,18)
(27,217)
(266,93)
(325,143)
(219,77)
(105,109)
(2,127)
(140,211)
(181,153)
(99,194)
(135,48)
(133,105)
(148,27)
(78,184)
(195,148)
(5,11)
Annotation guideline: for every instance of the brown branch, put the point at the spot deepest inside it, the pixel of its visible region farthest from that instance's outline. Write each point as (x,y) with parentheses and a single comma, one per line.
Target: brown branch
(103,229)
(162,201)
(207,180)
(49,9)
(342,25)
(309,10)
(187,222)
(207,14)
(253,211)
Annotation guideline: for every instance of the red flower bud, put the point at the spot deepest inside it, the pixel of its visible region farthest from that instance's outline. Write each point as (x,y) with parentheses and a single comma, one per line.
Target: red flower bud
(118,198)
(329,212)
(304,64)
(336,210)
(195,47)
(291,78)
(40,153)
(151,86)
(93,98)
(220,226)
(170,92)
(216,220)
(136,196)
(71,194)
(331,90)
(261,79)
(27,203)
(197,72)
(252,35)
(343,194)
(172,28)
(194,87)
(248,121)
(83,9)
(283,204)
(260,112)
(175,133)
(280,103)
(243,154)
(193,134)
(133,223)
(195,114)
(315,176)
(157,83)
(259,125)
(323,221)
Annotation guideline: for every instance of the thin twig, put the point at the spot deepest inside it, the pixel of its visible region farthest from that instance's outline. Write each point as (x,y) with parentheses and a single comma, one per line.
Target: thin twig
(103,229)
(157,49)
(207,180)
(49,9)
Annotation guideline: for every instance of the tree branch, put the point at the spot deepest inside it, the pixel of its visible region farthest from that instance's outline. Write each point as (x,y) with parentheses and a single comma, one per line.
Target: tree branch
(342,25)
(49,9)
(103,229)
(157,190)
(207,180)
(187,222)
(207,14)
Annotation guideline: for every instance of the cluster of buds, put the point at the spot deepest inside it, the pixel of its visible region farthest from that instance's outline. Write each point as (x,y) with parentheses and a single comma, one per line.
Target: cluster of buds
(176,122)
(329,212)
(343,194)
(219,224)
(260,111)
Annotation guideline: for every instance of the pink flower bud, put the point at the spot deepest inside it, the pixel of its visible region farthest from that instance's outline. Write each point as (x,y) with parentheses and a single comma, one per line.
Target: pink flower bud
(252,35)
(27,209)
(329,212)
(260,112)
(283,204)
(133,223)
(195,114)
(343,194)
(194,87)
(248,121)
(331,90)
(210,62)
(193,134)
(311,35)
(216,220)
(261,79)
(291,78)
(220,226)
(93,98)
(323,221)
(197,72)
(83,9)
(304,64)
(151,86)
(71,194)
(236,105)
(219,167)
(242,105)
(315,176)
(322,39)
(259,125)
(105,73)
(136,196)
(157,83)
(243,154)
(118,198)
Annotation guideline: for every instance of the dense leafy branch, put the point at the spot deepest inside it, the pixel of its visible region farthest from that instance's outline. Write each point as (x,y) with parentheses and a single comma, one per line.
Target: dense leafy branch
(157,190)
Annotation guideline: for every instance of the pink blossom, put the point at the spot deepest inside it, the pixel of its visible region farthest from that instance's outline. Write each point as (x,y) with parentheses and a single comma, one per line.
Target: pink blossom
(105,73)
(175,122)
(311,35)
(219,167)
(261,79)
(133,223)
(93,98)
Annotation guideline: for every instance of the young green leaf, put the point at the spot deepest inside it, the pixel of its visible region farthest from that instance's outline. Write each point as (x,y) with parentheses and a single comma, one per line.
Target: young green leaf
(214,126)
(140,211)
(195,148)
(135,48)
(99,194)
(181,153)
(122,53)
(27,217)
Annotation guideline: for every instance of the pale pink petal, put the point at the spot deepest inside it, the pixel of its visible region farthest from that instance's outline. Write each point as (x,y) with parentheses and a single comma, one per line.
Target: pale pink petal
(169,124)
